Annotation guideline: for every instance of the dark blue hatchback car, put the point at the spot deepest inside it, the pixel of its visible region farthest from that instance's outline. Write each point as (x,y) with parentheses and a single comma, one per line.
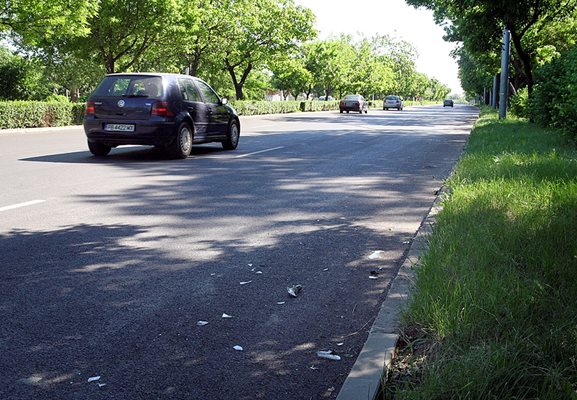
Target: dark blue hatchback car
(165,110)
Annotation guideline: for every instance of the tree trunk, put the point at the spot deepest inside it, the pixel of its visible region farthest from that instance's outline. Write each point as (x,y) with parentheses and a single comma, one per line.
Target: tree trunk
(238,85)
(525,59)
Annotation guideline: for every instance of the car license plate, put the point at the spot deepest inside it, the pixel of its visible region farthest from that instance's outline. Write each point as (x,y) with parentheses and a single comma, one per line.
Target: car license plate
(119,128)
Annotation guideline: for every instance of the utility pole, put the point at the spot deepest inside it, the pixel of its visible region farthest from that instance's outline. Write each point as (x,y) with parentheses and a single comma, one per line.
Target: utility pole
(494,101)
(504,74)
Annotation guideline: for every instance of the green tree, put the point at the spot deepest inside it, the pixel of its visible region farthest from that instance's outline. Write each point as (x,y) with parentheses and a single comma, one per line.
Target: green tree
(259,30)
(479,25)
(123,31)
(36,21)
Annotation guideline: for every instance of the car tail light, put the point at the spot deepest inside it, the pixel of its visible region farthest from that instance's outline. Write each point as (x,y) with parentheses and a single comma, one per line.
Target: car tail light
(89,108)
(161,109)
(342,103)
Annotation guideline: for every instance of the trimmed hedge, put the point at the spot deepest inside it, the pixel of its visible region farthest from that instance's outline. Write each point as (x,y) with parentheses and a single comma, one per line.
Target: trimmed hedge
(251,107)
(34,114)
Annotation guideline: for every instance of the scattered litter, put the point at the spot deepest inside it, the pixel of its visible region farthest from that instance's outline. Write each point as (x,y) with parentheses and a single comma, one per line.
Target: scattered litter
(94,378)
(374,272)
(340,344)
(202,323)
(101,384)
(245,283)
(314,367)
(406,242)
(280,303)
(373,277)
(328,354)
(252,270)
(212,274)
(250,265)
(326,269)
(259,272)
(377,255)
(238,348)
(294,290)
(224,315)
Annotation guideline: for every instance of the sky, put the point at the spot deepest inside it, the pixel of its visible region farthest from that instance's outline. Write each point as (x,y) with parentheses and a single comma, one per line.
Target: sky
(396,19)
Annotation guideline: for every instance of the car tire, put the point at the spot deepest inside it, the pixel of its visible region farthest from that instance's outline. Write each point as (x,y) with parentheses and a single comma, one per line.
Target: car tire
(182,144)
(232,136)
(341,111)
(361,111)
(367,111)
(98,149)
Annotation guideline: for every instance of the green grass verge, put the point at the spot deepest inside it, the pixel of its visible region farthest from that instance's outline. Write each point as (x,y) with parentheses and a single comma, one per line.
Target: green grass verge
(494,311)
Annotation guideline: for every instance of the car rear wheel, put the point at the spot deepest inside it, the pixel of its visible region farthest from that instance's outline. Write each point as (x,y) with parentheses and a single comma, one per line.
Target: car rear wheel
(182,144)
(98,149)
(232,137)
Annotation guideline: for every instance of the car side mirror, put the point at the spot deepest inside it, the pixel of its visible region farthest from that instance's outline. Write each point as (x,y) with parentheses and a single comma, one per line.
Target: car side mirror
(224,101)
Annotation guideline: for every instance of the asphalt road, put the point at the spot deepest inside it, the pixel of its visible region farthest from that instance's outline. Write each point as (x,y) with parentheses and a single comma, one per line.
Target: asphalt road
(107,265)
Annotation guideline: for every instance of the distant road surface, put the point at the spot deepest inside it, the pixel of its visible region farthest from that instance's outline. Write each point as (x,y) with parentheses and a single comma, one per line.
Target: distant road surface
(108,265)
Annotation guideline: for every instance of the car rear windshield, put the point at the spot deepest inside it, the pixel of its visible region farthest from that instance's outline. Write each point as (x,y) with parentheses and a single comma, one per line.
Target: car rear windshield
(351,97)
(130,86)
(392,98)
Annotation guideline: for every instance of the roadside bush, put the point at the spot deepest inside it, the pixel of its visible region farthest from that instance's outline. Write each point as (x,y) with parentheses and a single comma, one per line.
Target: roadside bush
(554,98)
(251,107)
(57,98)
(34,114)
(519,102)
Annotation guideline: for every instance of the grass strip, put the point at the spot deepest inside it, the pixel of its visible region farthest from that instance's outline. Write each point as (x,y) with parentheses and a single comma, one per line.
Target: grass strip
(494,311)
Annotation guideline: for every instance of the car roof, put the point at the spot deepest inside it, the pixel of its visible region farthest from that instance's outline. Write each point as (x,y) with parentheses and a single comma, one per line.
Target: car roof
(160,74)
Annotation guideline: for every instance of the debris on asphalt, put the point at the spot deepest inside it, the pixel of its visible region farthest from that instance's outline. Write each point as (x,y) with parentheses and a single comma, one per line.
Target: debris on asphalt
(258,272)
(245,283)
(250,265)
(225,315)
(294,290)
(374,274)
(280,303)
(314,367)
(101,384)
(377,255)
(326,269)
(202,323)
(94,378)
(340,344)
(373,277)
(329,355)
(238,348)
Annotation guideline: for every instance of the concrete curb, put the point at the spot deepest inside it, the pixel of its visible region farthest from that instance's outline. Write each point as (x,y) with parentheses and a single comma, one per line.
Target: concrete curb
(370,369)
(38,130)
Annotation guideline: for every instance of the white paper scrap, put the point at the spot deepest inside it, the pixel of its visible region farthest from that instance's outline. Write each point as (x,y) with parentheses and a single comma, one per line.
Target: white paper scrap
(377,255)
(202,323)
(94,378)
(224,315)
(328,355)
(238,348)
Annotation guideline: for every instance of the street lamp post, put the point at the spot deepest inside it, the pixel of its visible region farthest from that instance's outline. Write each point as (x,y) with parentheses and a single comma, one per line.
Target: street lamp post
(504,74)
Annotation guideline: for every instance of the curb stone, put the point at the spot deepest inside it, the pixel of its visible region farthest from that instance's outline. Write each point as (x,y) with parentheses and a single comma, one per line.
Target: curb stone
(38,130)
(370,369)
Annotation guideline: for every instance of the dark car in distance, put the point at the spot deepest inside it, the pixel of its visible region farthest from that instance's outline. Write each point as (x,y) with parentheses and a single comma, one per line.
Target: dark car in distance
(354,102)
(448,103)
(169,111)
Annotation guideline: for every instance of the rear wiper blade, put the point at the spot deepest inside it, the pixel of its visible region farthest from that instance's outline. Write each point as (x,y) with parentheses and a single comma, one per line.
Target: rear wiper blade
(134,95)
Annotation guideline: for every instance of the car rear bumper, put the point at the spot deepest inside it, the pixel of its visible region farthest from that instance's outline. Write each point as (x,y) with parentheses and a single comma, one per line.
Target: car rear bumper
(153,133)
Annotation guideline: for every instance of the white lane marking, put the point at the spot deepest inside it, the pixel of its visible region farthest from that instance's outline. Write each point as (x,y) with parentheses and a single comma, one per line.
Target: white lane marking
(28,203)
(258,152)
